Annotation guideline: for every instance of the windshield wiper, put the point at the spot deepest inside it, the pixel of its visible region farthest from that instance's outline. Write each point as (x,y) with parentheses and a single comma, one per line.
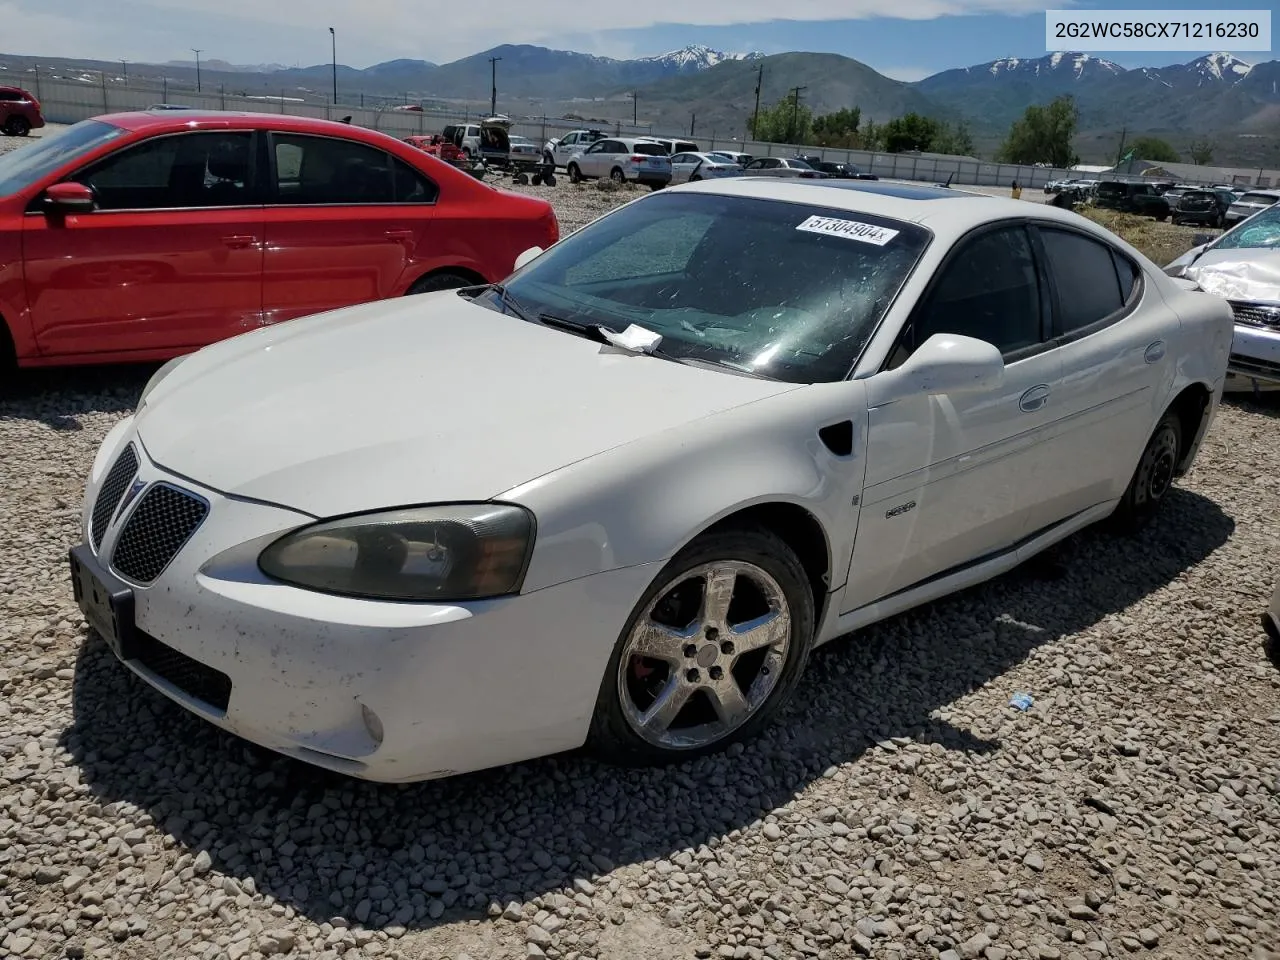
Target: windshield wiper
(506,301)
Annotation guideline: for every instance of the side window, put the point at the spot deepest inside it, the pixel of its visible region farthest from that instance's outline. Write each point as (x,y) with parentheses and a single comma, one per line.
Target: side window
(326,170)
(682,158)
(183,171)
(1127,274)
(11,96)
(594,148)
(570,140)
(989,290)
(1084,272)
(410,185)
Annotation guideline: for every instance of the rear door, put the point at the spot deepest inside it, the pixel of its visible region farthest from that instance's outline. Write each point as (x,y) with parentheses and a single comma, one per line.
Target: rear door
(171,258)
(683,166)
(343,226)
(1117,371)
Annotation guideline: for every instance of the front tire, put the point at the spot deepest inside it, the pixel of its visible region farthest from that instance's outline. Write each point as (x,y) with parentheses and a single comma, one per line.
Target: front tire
(711,653)
(575,175)
(1153,479)
(440,281)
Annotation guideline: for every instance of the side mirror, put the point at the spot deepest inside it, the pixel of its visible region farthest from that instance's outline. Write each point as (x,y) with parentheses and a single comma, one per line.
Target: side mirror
(70,198)
(945,363)
(531,254)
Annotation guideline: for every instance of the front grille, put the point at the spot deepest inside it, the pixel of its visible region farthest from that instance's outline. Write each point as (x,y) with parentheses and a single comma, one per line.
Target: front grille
(195,679)
(159,526)
(118,479)
(1256,314)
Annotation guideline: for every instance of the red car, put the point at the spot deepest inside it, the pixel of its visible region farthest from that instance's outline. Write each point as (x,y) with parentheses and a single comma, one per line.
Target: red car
(142,236)
(19,112)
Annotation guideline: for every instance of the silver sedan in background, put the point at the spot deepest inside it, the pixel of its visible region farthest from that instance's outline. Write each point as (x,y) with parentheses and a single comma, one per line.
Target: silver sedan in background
(686,167)
(781,167)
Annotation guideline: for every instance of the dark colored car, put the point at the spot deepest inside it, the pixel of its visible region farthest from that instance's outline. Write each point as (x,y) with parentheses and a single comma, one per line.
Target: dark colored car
(839,171)
(19,112)
(142,236)
(1132,197)
(1203,206)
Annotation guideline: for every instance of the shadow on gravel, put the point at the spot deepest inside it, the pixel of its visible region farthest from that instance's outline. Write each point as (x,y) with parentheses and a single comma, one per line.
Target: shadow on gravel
(57,397)
(1266,404)
(447,849)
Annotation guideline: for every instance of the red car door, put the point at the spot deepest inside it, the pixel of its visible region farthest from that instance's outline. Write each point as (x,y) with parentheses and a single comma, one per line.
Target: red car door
(171,258)
(344,225)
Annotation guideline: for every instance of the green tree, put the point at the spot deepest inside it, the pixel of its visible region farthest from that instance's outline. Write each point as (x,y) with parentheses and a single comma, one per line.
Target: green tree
(839,129)
(954,140)
(910,132)
(1044,135)
(1153,148)
(784,122)
(1202,151)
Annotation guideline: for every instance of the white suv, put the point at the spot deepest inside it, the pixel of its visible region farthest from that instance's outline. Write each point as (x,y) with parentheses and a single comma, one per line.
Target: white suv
(623,160)
(559,150)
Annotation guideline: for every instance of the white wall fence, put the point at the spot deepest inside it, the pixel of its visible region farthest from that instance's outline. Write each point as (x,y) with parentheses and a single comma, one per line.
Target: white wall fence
(66,101)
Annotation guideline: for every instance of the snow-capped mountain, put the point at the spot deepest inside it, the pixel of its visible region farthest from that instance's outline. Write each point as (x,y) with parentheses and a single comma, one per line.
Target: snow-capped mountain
(1078,65)
(1220,66)
(696,56)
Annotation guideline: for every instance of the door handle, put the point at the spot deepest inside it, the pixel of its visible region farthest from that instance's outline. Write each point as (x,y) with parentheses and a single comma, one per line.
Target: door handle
(1034,399)
(239,241)
(395,234)
(1155,352)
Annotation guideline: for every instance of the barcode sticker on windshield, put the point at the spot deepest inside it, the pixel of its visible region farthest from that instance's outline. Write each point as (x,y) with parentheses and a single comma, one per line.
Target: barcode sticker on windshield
(849,229)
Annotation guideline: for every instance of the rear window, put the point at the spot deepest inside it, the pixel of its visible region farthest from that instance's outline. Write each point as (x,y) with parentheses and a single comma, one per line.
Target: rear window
(683,146)
(650,149)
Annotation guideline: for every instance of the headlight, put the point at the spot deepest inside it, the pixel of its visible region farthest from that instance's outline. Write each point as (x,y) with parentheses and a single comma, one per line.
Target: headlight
(159,375)
(441,553)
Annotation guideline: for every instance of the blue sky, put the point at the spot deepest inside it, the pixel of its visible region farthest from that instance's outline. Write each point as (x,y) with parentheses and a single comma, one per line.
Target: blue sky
(921,36)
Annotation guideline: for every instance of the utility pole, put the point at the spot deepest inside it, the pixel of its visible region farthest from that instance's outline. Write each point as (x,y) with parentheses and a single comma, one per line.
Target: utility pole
(692,119)
(493,93)
(755,117)
(1120,152)
(795,112)
(334,38)
(124,65)
(635,108)
(197,53)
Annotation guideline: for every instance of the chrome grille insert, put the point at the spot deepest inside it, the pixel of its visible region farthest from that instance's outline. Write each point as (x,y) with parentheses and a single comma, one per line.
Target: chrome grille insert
(110,493)
(164,520)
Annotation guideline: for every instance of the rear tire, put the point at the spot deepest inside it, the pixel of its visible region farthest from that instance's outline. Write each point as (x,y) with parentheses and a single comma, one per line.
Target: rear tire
(17,127)
(549,180)
(1153,478)
(575,175)
(445,280)
(721,692)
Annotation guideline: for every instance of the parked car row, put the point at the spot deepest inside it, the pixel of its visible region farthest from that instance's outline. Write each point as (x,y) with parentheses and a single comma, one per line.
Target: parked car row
(1218,205)
(142,236)
(894,392)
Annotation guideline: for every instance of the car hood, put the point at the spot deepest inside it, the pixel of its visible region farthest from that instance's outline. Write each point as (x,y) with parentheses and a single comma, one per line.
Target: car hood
(1250,274)
(424,399)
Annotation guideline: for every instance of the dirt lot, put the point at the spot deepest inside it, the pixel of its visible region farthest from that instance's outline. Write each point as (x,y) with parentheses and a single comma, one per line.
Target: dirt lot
(902,809)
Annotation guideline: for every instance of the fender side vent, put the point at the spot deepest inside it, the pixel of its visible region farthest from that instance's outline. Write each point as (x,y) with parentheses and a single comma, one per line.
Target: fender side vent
(838,437)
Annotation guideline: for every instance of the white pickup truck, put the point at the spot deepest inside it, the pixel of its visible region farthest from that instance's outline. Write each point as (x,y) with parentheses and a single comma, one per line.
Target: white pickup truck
(558,150)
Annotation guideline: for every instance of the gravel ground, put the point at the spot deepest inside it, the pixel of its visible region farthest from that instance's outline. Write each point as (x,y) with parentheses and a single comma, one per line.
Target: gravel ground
(901,809)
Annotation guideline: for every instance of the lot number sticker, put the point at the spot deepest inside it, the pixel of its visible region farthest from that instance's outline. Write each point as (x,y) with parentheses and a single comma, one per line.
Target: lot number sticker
(849,229)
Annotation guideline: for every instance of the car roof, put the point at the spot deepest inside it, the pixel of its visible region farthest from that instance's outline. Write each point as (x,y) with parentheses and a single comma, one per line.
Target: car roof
(1264,193)
(947,211)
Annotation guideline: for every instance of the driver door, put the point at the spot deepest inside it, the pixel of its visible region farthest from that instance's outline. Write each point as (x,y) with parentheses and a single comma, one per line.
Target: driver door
(593,159)
(946,482)
(566,148)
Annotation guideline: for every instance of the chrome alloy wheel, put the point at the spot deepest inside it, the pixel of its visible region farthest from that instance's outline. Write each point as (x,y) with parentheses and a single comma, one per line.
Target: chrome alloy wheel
(704,655)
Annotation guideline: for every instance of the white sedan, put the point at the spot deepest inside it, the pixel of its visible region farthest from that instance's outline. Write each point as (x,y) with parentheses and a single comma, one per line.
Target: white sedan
(692,167)
(618,500)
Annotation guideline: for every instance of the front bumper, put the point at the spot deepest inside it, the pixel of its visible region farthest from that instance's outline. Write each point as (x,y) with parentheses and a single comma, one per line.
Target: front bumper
(381,691)
(1255,354)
